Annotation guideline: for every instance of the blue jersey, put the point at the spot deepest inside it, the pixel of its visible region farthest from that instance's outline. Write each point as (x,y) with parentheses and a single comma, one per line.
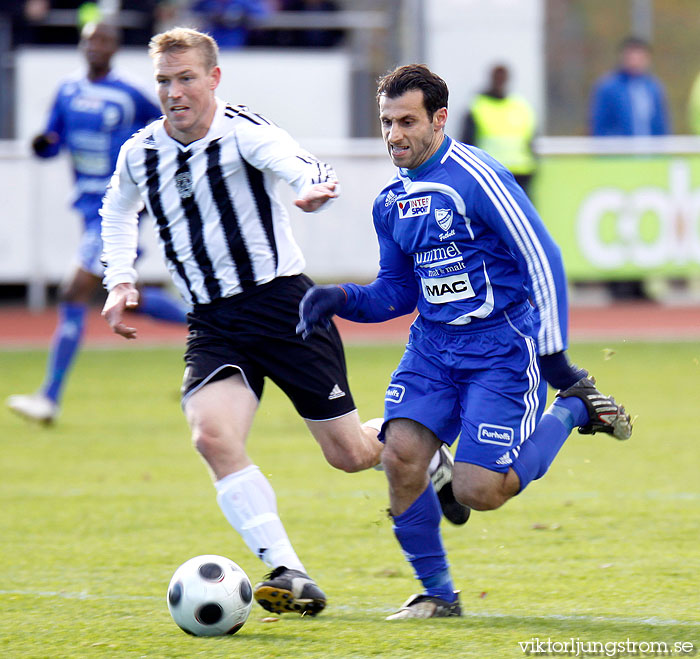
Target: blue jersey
(93,120)
(459,239)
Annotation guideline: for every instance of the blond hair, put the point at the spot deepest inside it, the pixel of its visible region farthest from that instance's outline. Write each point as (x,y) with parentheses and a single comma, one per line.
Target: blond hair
(184,38)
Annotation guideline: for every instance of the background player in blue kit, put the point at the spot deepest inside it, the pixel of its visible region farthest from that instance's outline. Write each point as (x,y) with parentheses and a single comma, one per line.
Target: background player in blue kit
(93,114)
(460,240)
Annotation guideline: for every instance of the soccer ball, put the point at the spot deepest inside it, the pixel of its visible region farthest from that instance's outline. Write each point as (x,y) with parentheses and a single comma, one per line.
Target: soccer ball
(210,595)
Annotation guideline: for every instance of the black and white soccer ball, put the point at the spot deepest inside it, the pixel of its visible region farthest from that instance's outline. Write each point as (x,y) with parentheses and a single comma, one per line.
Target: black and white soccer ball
(210,595)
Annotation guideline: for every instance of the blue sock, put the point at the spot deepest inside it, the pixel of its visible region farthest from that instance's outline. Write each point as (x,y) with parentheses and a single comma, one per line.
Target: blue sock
(539,450)
(418,531)
(158,304)
(64,346)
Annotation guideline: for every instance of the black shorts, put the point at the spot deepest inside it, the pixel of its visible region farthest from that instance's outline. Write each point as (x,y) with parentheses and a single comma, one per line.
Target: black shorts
(255,333)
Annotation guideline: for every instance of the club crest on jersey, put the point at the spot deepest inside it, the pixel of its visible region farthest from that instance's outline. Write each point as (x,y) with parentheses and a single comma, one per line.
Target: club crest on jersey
(414,207)
(443,217)
(390,198)
(183,183)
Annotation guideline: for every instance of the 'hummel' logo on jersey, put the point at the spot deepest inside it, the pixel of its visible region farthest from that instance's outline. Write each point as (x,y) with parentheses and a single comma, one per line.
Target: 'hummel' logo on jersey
(336,392)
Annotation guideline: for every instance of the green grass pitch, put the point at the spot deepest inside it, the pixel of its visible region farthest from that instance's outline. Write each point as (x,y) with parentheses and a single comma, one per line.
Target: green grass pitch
(97,512)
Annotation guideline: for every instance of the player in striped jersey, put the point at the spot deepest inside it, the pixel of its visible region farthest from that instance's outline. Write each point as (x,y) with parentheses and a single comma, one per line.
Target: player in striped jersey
(460,240)
(207,172)
(93,113)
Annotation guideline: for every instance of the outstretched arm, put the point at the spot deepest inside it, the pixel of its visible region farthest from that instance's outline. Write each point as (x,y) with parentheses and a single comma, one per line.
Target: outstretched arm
(269,148)
(393,293)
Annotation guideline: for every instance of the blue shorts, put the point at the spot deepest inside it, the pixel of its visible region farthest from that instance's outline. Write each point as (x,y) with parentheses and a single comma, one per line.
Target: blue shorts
(89,256)
(90,250)
(479,381)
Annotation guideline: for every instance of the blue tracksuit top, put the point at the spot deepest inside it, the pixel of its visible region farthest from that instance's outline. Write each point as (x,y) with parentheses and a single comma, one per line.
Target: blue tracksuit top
(459,239)
(612,110)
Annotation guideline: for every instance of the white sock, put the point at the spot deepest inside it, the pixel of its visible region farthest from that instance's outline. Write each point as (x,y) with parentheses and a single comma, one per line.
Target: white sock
(249,504)
(375,423)
(434,462)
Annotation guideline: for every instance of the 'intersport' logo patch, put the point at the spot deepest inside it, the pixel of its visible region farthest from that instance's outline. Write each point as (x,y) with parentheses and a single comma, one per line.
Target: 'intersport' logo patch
(414,207)
(394,393)
(492,434)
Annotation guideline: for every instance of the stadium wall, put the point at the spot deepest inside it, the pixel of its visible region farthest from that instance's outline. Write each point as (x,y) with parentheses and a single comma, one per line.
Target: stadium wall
(295,90)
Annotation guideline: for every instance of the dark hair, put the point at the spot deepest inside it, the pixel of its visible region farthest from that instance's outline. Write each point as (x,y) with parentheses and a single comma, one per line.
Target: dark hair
(415,76)
(634,42)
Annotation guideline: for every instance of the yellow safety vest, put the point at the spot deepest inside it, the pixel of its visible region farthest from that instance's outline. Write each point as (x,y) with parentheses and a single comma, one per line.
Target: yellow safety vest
(504,129)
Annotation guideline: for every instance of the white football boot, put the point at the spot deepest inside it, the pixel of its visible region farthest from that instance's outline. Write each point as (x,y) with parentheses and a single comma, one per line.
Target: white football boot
(35,407)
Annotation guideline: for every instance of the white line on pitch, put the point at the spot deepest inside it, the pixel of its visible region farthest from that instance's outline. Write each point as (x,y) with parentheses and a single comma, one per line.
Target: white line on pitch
(652,620)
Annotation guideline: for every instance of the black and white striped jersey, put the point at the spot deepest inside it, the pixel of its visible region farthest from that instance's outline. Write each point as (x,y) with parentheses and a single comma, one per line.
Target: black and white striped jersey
(221,227)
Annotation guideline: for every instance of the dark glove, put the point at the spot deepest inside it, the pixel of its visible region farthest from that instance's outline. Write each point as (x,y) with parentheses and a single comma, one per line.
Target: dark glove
(317,307)
(558,372)
(41,143)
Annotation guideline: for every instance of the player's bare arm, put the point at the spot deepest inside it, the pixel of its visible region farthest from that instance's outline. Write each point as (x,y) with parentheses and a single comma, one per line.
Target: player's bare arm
(316,196)
(121,297)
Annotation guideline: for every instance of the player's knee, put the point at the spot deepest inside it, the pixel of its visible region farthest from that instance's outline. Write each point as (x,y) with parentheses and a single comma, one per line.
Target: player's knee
(400,467)
(391,460)
(477,496)
(208,440)
(345,462)
(349,457)
(68,295)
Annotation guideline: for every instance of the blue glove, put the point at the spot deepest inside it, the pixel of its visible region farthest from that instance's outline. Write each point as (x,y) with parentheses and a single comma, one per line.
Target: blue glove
(317,307)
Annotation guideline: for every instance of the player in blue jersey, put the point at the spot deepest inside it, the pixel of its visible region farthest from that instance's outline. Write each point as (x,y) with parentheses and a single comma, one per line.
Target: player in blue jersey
(93,114)
(460,240)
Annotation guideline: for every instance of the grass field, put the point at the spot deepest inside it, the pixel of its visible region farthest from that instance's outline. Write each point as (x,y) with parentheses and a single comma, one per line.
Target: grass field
(97,512)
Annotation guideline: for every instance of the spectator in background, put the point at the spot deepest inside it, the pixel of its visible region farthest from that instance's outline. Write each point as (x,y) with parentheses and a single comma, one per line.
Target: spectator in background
(314,38)
(37,30)
(39,21)
(629,100)
(226,21)
(299,38)
(503,124)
